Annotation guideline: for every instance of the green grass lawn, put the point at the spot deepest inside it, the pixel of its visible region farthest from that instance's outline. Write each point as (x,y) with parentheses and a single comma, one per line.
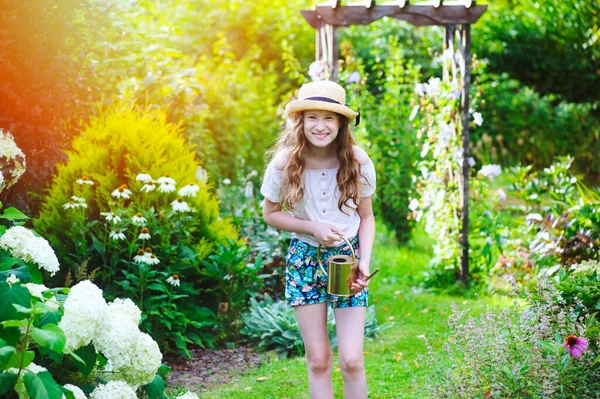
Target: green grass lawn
(393,367)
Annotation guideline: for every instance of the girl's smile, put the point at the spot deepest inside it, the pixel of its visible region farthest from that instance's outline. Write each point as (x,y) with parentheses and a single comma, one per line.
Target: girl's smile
(321,127)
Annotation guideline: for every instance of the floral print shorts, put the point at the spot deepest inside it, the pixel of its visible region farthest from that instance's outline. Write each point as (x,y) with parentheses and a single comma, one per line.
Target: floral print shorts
(305,282)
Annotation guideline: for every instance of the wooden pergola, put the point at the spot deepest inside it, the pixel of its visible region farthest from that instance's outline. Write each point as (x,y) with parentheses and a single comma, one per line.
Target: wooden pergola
(456,16)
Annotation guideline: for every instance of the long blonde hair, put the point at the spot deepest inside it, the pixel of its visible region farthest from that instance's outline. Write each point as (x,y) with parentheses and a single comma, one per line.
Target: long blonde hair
(293,141)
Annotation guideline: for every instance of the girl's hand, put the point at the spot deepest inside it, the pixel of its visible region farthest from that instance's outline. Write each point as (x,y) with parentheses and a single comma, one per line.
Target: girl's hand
(325,234)
(360,284)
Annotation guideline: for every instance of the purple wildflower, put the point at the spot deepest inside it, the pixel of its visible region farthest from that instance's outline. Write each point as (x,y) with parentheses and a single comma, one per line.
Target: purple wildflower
(576,345)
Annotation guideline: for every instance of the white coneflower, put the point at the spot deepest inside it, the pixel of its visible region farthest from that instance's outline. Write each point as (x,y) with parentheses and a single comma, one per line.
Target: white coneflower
(189,190)
(121,192)
(80,201)
(140,257)
(145,234)
(166,179)
(71,205)
(174,280)
(84,180)
(167,187)
(201,174)
(138,219)
(151,259)
(148,186)
(143,177)
(111,217)
(117,235)
(249,190)
(179,205)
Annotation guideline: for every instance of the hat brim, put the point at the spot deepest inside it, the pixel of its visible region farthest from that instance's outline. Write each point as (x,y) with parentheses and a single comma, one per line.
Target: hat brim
(305,105)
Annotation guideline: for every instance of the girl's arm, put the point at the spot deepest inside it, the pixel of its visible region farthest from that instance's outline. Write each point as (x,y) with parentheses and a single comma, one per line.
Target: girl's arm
(274,216)
(366,236)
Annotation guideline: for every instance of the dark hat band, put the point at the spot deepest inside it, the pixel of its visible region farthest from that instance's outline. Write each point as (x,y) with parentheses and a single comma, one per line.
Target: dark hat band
(331,100)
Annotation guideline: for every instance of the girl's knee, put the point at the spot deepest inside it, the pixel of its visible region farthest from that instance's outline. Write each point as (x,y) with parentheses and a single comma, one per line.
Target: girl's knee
(320,363)
(352,364)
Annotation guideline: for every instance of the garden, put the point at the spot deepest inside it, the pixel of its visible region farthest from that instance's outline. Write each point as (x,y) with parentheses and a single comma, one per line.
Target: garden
(134,258)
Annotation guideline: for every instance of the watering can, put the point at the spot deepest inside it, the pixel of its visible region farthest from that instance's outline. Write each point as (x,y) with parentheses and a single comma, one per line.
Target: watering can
(343,271)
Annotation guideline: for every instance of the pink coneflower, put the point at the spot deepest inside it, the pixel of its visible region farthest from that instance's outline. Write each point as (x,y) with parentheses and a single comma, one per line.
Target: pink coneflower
(576,346)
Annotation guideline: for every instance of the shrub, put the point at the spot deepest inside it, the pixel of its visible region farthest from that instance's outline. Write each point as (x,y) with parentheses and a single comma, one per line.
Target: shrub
(517,353)
(104,213)
(69,333)
(523,127)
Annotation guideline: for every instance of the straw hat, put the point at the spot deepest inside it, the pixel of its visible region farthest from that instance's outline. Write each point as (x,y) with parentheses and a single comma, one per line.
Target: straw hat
(322,95)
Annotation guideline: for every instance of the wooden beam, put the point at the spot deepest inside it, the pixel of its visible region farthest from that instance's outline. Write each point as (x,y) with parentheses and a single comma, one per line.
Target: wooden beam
(414,14)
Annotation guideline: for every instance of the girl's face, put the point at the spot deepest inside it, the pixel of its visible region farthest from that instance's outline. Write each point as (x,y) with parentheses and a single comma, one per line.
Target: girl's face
(321,127)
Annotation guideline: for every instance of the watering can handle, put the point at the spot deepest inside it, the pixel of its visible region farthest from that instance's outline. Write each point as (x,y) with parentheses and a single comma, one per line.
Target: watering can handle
(319,253)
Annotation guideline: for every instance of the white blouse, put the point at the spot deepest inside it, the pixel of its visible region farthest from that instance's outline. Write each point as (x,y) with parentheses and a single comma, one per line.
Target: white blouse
(320,201)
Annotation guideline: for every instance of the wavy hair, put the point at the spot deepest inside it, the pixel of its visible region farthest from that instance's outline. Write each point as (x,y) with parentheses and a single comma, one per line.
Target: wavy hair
(293,141)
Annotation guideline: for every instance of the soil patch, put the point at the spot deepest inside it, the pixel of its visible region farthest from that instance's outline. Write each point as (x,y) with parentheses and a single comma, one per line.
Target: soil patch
(211,367)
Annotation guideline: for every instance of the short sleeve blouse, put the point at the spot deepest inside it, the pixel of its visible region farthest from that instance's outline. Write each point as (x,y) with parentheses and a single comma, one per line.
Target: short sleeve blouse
(321,195)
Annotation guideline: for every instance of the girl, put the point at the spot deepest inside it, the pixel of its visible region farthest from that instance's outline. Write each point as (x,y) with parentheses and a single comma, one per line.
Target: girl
(325,183)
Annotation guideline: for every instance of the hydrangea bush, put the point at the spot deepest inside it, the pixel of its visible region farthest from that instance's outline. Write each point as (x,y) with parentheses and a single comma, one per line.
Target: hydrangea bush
(49,337)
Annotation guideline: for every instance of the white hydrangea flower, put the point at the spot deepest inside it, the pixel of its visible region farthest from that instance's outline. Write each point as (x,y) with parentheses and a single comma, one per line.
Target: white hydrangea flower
(127,307)
(189,190)
(25,245)
(134,356)
(179,205)
(76,391)
(226,182)
(491,171)
(144,361)
(249,190)
(477,118)
(10,151)
(113,390)
(414,204)
(419,89)
(354,77)
(187,395)
(85,310)
(12,279)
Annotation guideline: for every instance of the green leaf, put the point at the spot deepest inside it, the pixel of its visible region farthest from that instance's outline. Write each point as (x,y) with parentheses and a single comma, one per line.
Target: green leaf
(68,394)
(12,295)
(7,381)
(8,262)
(50,318)
(22,273)
(157,287)
(87,356)
(50,336)
(14,362)
(13,214)
(42,386)
(6,353)
(36,275)
(11,335)
(155,389)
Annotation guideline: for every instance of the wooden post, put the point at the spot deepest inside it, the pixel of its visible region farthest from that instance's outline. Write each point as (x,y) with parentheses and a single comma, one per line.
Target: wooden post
(448,39)
(465,38)
(334,51)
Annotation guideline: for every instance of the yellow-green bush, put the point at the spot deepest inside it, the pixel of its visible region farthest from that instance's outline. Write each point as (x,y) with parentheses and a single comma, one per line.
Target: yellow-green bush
(112,151)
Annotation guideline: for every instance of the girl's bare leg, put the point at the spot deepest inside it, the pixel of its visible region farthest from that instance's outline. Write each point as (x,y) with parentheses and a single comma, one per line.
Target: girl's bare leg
(312,320)
(350,325)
